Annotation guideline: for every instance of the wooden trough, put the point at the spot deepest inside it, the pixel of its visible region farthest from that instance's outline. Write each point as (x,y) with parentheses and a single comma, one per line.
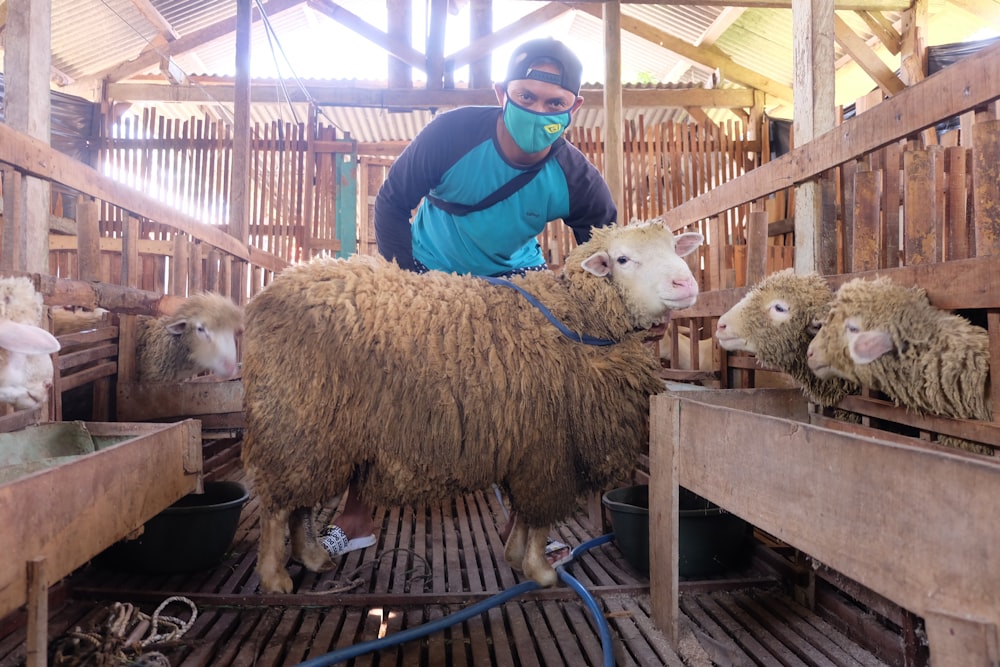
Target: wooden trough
(911,520)
(73,489)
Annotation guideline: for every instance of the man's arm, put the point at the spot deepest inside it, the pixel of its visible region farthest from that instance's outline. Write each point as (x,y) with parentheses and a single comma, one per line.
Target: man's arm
(417,169)
(590,201)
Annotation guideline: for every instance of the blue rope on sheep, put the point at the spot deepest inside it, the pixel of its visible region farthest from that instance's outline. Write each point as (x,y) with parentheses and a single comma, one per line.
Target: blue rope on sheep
(604,630)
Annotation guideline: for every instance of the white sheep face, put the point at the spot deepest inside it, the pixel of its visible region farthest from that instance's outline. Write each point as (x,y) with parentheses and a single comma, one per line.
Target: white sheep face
(650,270)
(26,371)
(777,311)
(213,349)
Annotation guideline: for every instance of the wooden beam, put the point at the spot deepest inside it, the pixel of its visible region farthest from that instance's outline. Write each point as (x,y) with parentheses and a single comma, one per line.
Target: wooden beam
(866,58)
(871,5)
(484,46)
(883,29)
(153,15)
(403,51)
(703,56)
(189,42)
(614,169)
(969,83)
(348,95)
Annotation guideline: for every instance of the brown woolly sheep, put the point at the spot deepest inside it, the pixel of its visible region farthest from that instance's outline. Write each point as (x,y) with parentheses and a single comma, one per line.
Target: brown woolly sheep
(417,387)
(25,365)
(776,321)
(889,337)
(199,336)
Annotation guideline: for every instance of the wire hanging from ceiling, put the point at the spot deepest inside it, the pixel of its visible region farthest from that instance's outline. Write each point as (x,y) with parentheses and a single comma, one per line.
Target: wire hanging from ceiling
(156,49)
(273,42)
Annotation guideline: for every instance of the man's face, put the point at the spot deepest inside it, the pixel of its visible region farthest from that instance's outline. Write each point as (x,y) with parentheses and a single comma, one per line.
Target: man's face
(541,96)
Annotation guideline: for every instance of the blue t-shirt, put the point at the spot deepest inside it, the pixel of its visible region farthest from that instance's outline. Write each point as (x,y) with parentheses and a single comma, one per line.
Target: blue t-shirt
(456,158)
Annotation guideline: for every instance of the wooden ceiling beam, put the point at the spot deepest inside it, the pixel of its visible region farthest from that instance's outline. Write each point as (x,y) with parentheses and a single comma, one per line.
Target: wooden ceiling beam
(401,50)
(861,5)
(883,29)
(412,98)
(866,58)
(711,58)
(484,46)
(180,45)
(153,15)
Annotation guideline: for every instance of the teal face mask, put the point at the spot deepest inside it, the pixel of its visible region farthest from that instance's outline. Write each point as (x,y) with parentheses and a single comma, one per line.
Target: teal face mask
(533,131)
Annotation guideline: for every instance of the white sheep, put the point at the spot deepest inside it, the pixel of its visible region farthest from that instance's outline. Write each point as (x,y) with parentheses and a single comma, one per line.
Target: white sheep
(75,320)
(776,321)
(25,365)
(889,337)
(417,387)
(684,361)
(199,336)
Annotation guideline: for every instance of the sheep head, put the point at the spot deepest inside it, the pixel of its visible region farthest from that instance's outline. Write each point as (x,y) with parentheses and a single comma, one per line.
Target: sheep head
(210,322)
(25,365)
(776,320)
(643,262)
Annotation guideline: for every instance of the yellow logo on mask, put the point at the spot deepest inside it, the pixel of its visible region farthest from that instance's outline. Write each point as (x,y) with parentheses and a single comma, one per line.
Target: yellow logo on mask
(552,128)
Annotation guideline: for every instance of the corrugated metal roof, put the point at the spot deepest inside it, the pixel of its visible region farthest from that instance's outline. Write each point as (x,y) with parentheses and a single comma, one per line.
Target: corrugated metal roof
(93,36)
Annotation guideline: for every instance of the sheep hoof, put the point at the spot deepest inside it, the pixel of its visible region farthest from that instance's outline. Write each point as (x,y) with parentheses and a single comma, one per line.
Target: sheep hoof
(315,558)
(279,582)
(544,575)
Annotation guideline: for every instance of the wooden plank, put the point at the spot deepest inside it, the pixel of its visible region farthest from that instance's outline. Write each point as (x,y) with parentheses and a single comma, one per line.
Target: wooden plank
(150,402)
(986,186)
(965,85)
(866,233)
(95,503)
(958,229)
(843,477)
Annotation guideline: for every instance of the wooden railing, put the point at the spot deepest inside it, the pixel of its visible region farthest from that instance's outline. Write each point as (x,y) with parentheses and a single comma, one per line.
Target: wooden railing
(847,493)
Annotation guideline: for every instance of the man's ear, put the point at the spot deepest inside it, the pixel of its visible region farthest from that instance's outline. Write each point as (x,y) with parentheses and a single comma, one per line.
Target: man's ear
(501,92)
(577,104)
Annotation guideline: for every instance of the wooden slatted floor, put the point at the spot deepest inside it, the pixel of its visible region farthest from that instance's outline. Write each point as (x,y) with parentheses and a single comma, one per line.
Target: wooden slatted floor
(431,562)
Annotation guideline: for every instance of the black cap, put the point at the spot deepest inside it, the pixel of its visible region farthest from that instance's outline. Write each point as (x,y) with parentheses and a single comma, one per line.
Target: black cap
(530,52)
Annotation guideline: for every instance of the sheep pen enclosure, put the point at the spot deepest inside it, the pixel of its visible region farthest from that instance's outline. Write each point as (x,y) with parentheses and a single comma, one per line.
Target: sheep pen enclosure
(898,200)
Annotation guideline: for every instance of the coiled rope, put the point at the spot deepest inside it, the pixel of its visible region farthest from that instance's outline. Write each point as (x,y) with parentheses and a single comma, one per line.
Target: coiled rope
(121,637)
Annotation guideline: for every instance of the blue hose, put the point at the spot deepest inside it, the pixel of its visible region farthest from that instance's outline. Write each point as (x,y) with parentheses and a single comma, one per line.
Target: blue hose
(419,631)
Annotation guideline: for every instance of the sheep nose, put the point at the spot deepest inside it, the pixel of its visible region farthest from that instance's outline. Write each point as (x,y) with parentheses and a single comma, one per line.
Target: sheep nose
(721,326)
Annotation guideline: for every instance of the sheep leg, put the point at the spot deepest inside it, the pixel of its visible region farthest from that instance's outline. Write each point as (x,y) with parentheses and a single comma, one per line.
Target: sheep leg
(535,565)
(271,551)
(306,547)
(513,551)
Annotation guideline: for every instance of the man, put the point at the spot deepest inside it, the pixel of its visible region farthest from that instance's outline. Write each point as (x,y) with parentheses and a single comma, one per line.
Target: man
(487,181)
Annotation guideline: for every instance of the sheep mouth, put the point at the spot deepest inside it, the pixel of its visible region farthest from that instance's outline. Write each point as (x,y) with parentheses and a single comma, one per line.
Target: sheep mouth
(822,371)
(732,343)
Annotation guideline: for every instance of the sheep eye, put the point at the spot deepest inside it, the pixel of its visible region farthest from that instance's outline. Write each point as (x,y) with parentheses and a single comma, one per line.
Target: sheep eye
(781,308)
(622,259)
(852,328)
(201,328)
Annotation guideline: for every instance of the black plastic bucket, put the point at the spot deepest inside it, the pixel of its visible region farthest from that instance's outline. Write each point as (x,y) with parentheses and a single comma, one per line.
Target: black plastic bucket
(710,539)
(192,534)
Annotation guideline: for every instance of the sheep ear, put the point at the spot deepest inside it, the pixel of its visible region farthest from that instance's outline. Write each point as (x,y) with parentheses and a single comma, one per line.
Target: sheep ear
(686,243)
(176,328)
(599,264)
(869,346)
(26,339)
(814,326)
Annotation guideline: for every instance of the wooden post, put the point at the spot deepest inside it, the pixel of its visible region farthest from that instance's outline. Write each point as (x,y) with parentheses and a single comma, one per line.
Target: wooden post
(38,614)
(88,238)
(239,213)
(986,186)
(613,161)
(400,18)
(756,247)
(664,505)
(812,24)
(27,65)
